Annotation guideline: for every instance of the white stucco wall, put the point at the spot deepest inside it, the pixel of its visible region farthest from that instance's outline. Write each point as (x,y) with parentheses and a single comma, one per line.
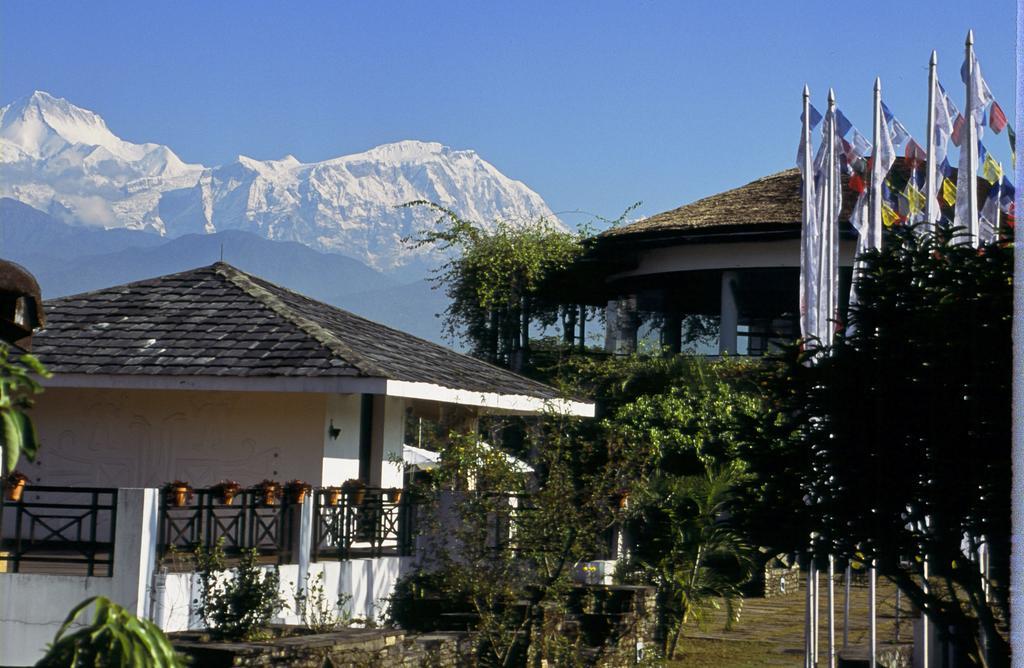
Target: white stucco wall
(341,454)
(32,608)
(733,255)
(368,583)
(393,441)
(136,438)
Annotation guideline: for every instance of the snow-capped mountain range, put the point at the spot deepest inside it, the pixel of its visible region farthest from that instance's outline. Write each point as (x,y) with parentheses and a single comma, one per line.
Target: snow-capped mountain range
(64,160)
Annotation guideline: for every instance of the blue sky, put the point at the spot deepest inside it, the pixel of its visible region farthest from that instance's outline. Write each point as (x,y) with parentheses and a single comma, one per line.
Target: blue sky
(594,105)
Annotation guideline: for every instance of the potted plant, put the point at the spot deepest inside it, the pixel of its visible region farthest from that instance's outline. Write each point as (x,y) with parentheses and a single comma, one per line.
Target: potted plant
(178,492)
(333,495)
(395,495)
(356,491)
(297,490)
(15,485)
(271,491)
(226,491)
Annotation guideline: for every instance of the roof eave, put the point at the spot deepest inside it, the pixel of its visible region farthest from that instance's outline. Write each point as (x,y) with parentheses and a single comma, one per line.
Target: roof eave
(496,402)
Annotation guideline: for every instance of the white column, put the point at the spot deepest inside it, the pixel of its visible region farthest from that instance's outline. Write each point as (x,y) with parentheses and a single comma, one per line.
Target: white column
(135,542)
(730,315)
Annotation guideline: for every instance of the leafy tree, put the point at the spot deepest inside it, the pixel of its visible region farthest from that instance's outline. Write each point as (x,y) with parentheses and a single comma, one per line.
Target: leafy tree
(507,562)
(114,638)
(682,430)
(895,443)
(500,282)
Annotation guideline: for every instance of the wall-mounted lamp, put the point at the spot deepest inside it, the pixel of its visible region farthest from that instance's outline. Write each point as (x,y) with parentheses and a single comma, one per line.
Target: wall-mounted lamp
(333,431)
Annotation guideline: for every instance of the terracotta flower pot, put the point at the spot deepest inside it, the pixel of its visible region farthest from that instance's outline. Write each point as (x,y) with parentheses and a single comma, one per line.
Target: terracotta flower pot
(395,495)
(269,496)
(299,495)
(227,497)
(333,496)
(179,495)
(15,490)
(356,496)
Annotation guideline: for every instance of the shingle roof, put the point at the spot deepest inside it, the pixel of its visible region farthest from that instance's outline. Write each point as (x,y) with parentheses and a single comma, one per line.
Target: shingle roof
(220,321)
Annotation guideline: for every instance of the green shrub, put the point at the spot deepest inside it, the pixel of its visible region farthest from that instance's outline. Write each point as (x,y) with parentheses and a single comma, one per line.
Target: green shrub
(236,604)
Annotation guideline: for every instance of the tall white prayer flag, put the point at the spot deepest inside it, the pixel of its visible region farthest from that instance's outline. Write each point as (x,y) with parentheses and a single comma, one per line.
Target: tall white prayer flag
(809,267)
(977,98)
(828,198)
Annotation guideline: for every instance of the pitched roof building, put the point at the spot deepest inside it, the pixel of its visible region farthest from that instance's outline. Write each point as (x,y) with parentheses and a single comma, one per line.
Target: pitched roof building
(217,327)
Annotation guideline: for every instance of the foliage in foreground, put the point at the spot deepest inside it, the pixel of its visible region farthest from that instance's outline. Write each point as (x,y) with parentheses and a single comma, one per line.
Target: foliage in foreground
(114,638)
(896,442)
(678,420)
(17,389)
(236,604)
(501,556)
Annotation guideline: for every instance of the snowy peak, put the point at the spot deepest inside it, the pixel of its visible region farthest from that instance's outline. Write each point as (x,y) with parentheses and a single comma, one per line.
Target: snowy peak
(40,120)
(42,126)
(63,159)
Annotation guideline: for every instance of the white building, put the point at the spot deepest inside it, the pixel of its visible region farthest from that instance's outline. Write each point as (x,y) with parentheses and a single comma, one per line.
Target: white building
(214,374)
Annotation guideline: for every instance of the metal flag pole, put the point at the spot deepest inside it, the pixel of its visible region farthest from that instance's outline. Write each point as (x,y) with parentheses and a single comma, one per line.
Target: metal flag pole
(925,622)
(808,617)
(846,606)
(817,613)
(831,612)
(932,211)
(873,621)
(970,143)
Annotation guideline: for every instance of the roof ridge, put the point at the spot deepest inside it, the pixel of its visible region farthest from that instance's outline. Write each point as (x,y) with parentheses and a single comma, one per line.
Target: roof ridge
(129,284)
(324,337)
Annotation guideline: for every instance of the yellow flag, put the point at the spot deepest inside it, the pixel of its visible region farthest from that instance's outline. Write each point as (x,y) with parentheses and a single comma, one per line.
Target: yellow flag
(992,170)
(889,217)
(948,192)
(915,199)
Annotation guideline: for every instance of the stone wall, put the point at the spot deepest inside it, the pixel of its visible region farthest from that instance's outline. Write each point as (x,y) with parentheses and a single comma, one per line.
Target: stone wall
(347,648)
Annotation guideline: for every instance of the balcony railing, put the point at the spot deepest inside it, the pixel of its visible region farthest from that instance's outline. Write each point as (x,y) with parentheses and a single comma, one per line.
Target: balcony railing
(68,530)
(246,522)
(368,523)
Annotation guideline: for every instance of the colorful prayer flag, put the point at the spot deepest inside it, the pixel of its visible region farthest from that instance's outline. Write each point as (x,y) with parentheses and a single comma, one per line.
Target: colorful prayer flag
(889,216)
(958,129)
(992,170)
(948,192)
(815,116)
(997,119)
(914,154)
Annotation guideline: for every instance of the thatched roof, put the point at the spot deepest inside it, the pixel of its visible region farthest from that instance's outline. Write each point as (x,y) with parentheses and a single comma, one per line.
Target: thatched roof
(769,204)
(770,201)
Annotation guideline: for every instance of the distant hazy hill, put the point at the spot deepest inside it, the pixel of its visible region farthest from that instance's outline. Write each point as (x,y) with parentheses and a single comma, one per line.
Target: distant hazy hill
(64,160)
(68,259)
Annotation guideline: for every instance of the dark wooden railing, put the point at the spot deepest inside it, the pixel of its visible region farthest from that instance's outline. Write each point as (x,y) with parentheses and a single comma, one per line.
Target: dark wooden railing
(247,522)
(59,530)
(370,524)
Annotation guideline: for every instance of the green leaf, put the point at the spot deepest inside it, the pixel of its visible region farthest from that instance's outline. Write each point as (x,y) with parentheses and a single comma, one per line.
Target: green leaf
(12,438)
